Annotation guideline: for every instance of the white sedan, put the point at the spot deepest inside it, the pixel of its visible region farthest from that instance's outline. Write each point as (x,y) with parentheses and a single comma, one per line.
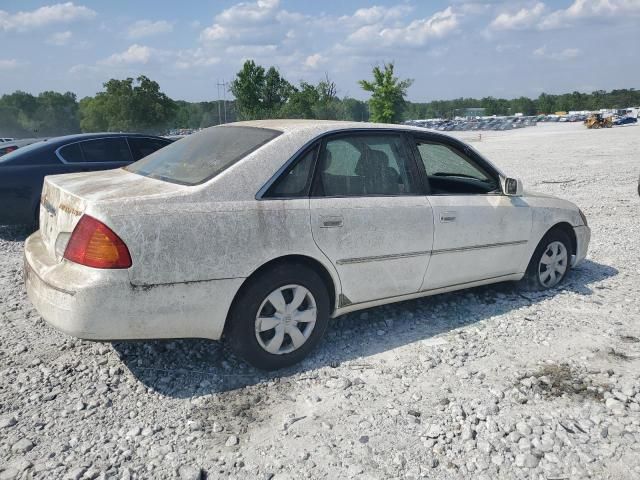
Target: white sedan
(259,232)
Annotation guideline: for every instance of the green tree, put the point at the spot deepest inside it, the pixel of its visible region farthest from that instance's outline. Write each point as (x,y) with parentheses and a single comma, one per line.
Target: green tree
(274,93)
(260,93)
(128,105)
(387,94)
(302,102)
(56,114)
(355,110)
(247,89)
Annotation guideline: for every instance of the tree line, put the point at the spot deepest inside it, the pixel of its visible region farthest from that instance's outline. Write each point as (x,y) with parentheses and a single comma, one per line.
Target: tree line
(140,105)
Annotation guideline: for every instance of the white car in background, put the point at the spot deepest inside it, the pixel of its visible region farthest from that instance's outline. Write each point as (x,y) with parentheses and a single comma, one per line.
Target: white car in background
(259,232)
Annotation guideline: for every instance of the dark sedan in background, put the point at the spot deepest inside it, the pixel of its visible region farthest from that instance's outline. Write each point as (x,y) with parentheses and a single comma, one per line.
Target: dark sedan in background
(22,172)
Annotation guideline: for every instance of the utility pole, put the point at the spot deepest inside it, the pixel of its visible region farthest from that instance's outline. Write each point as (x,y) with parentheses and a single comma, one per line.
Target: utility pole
(222,84)
(218,102)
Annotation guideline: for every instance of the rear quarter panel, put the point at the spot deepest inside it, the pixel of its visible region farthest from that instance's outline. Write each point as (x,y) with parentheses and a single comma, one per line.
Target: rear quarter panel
(184,241)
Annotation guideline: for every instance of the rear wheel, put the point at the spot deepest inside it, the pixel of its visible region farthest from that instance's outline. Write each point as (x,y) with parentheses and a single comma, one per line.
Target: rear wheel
(279,317)
(550,262)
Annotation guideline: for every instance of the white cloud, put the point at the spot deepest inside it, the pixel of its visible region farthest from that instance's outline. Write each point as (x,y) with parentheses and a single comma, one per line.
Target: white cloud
(523,18)
(148,28)
(376,14)
(566,54)
(8,64)
(255,23)
(539,17)
(195,58)
(588,9)
(416,33)
(60,38)
(43,16)
(254,13)
(135,54)
(314,61)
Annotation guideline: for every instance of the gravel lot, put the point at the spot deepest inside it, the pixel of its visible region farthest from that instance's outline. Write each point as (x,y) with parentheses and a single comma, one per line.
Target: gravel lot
(487,383)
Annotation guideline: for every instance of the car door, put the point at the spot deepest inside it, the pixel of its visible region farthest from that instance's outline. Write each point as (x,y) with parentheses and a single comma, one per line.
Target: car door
(369,215)
(479,233)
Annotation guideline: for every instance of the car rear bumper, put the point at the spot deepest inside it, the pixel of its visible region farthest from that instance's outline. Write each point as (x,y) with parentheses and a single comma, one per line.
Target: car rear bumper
(97,304)
(583,236)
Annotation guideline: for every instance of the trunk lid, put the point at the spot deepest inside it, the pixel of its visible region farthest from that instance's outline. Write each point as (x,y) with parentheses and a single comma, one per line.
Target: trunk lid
(65,198)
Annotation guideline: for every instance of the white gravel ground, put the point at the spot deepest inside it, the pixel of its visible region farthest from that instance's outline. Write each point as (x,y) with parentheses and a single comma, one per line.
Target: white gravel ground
(487,383)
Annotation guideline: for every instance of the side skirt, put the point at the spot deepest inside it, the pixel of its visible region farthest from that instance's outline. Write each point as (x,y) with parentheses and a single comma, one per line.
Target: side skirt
(425,293)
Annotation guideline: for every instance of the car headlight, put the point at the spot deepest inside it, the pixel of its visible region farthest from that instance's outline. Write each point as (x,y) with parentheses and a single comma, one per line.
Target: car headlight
(584,218)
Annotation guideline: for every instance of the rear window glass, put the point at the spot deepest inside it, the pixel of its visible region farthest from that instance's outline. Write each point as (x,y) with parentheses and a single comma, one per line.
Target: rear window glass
(201,156)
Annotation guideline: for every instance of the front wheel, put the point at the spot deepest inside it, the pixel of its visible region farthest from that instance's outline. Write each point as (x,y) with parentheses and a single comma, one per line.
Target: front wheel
(279,317)
(550,262)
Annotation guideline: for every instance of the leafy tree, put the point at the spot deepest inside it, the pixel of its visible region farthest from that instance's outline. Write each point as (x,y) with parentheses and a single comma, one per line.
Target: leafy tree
(387,94)
(260,93)
(56,114)
(127,105)
(274,93)
(301,102)
(355,110)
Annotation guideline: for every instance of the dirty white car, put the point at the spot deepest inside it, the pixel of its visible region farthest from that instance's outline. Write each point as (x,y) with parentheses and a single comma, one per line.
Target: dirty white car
(259,232)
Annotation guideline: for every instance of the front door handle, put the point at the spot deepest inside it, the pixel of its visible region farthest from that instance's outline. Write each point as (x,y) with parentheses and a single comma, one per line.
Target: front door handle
(448,217)
(333,221)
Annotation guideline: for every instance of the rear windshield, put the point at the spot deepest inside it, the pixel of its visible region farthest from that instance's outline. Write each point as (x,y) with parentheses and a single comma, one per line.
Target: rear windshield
(203,155)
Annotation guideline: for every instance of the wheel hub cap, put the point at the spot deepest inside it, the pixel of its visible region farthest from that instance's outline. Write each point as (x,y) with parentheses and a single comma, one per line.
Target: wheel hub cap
(553,264)
(285,320)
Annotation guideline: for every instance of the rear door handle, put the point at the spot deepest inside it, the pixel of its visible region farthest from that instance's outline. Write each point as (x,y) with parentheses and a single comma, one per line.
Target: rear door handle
(330,221)
(448,217)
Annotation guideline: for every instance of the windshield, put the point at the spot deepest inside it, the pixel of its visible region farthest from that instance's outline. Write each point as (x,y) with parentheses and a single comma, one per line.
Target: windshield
(201,156)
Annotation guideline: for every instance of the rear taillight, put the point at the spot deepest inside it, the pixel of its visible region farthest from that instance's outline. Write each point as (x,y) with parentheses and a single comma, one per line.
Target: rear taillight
(94,244)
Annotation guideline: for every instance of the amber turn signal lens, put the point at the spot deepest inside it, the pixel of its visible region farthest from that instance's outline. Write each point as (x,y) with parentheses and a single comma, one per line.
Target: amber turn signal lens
(93,244)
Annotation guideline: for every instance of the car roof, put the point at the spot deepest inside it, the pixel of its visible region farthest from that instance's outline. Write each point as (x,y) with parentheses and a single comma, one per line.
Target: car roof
(320,126)
(88,136)
(56,142)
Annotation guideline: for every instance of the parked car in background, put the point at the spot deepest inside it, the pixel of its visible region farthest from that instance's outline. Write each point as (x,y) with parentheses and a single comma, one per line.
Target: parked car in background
(23,170)
(625,121)
(261,231)
(5,139)
(8,147)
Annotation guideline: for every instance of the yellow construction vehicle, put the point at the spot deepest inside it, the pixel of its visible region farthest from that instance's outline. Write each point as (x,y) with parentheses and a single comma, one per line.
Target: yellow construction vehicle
(596,120)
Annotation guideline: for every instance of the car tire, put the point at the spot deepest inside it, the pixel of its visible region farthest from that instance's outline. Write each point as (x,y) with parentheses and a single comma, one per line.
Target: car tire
(550,263)
(275,335)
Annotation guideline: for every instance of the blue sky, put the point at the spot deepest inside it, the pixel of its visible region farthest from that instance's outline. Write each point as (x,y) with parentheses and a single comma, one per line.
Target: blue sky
(469,48)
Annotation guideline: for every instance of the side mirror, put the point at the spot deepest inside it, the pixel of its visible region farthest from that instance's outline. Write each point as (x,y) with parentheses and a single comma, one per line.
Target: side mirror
(513,187)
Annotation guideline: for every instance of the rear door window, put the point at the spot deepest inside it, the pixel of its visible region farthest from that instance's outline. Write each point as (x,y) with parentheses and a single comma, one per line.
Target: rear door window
(365,165)
(103,150)
(141,147)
